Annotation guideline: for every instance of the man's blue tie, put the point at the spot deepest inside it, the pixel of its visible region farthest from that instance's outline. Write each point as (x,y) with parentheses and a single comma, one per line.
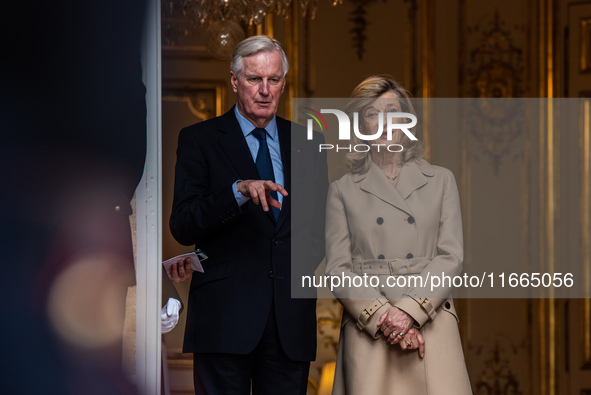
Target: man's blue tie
(264,163)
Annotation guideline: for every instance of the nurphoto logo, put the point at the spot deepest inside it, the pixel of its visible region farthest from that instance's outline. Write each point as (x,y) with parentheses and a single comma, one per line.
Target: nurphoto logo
(393,122)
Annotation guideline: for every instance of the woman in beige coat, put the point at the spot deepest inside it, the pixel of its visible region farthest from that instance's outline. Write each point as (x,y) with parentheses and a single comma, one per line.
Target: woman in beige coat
(392,218)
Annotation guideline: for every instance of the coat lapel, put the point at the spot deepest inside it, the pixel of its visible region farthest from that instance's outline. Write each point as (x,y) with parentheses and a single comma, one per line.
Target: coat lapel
(413,176)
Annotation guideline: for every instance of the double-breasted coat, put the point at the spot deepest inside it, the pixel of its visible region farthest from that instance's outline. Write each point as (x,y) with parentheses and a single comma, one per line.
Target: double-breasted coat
(379,231)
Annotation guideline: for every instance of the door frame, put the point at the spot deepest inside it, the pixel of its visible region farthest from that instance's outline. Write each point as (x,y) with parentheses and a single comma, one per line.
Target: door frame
(149,217)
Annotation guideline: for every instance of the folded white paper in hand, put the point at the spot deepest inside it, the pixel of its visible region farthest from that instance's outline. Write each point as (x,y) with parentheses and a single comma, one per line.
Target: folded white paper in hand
(195,262)
(169,315)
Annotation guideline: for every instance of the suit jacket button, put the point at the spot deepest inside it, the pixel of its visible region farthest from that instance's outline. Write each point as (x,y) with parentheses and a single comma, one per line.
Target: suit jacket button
(271,274)
(447,305)
(381,256)
(380,220)
(411,220)
(409,256)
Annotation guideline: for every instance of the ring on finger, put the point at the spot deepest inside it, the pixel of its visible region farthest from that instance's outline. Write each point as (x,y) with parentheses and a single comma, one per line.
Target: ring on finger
(408,344)
(401,334)
(393,334)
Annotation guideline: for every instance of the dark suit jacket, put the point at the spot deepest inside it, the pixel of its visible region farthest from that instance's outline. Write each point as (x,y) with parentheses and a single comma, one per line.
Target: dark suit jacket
(248,271)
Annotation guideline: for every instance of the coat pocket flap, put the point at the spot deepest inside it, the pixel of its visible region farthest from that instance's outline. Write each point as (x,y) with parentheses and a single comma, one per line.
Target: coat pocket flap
(211,273)
(449,307)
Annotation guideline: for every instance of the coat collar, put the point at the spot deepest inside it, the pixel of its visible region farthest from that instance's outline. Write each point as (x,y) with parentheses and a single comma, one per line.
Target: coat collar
(414,175)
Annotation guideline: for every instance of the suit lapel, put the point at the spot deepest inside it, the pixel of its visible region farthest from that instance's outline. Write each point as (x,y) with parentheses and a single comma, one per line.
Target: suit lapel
(284,131)
(234,145)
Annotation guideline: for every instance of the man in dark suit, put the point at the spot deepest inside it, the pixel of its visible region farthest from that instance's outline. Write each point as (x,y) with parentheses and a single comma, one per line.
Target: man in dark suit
(233,197)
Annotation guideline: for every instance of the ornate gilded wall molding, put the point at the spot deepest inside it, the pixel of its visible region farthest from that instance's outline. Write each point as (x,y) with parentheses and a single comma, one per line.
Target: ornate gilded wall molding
(585,50)
(329,325)
(497,377)
(497,63)
(495,72)
(585,139)
(359,25)
(496,125)
(549,192)
(411,47)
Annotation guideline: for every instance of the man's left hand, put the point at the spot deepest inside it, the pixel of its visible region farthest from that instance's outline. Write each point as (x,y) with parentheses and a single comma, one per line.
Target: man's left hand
(180,271)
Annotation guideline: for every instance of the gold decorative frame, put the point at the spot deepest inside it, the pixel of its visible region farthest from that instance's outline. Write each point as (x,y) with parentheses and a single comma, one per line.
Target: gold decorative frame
(548,171)
(586,334)
(206,99)
(585,54)
(428,70)
(585,139)
(543,320)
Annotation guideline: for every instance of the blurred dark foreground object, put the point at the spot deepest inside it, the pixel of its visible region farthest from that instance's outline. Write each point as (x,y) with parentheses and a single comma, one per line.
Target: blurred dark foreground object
(73,122)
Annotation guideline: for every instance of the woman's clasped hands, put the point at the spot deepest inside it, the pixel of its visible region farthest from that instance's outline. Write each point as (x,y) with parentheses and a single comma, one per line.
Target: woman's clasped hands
(398,328)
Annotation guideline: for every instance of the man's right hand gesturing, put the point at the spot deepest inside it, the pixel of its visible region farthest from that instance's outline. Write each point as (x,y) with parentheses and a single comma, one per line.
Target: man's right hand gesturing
(259,191)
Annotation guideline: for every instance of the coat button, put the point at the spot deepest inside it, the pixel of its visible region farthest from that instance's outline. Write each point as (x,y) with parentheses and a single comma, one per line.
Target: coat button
(409,256)
(380,220)
(271,274)
(411,220)
(275,242)
(447,305)
(381,256)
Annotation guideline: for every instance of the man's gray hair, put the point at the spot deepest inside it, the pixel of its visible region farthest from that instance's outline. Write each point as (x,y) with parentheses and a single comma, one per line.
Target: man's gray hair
(252,46)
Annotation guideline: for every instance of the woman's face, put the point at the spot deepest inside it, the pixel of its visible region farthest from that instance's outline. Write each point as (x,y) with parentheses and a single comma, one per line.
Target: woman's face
(387,102)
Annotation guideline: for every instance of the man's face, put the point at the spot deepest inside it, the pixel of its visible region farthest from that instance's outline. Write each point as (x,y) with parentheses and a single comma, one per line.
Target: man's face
(259,87)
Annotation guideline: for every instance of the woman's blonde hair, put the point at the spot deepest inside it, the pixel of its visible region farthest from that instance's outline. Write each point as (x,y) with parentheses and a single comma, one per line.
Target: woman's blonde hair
(365,94)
